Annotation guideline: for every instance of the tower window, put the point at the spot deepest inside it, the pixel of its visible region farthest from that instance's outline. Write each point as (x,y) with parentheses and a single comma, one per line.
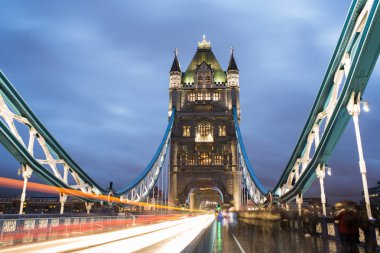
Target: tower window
(207,96)
(216,96)
(186,131)
(190,159)
(204,158)
(222,130)
(208,79)
(204,132)
(191,97)
(204,129)
(200,96)
(218,160)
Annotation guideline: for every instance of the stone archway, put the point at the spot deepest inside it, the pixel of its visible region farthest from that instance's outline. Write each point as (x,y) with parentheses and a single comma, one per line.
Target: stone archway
(197,192)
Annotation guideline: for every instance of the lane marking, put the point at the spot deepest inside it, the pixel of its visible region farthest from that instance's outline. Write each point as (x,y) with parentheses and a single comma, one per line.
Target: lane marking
(238,243)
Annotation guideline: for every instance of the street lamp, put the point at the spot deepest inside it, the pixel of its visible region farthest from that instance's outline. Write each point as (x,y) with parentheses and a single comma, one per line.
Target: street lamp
(328,171)
(365,105)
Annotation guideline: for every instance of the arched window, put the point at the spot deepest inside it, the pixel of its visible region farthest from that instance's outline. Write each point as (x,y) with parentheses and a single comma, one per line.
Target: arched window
(204,129)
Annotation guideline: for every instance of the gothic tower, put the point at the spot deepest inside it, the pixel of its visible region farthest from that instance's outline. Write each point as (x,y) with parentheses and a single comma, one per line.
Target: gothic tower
(203,153)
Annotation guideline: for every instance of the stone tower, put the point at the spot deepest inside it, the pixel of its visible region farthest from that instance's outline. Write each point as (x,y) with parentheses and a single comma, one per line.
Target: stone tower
(203,152)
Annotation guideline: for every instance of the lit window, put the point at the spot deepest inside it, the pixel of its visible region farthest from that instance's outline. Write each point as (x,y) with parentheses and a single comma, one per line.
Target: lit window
(218,160)
(204,158)
(190,159)
(204,133)
(216,96)
(200,96)
(186,131)
(200,78)
(191,97)
(208,79)
(204,129)
(222,130)
(207,96)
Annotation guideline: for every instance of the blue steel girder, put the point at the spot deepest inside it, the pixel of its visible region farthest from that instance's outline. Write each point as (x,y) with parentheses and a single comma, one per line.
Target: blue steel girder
(257,192)
(348,73)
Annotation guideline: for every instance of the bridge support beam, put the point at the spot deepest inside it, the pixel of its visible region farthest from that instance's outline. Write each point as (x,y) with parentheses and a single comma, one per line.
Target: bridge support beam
(89,206)
(62,199)
(321,174)
(353,108)
(299,201)
(26,172)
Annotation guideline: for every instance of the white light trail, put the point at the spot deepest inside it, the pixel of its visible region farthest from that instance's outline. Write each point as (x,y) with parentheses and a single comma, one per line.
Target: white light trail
(126,240)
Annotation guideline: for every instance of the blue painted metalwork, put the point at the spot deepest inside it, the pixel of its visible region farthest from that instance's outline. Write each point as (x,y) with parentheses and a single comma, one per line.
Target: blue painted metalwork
(251,172)
(165,141)
(21,153)
(365,54)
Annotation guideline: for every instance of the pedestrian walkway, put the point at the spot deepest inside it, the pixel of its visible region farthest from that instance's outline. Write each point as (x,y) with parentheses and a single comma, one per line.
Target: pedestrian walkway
(267,237)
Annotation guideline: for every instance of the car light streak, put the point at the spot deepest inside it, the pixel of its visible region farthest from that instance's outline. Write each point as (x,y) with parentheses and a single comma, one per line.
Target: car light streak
(18,184)
(126,240)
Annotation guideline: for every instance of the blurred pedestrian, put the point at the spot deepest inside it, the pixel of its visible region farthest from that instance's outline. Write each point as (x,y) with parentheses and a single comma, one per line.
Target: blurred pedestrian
(348,229)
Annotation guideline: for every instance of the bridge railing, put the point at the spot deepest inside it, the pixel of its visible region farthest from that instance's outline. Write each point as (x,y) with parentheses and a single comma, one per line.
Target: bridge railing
(327,228)
(27,230)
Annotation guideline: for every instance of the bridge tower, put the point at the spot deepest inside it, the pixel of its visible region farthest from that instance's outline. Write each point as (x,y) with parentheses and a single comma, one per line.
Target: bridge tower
(203,152)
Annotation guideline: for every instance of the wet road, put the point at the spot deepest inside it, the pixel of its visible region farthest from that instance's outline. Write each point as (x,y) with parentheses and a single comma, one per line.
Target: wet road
(233,236)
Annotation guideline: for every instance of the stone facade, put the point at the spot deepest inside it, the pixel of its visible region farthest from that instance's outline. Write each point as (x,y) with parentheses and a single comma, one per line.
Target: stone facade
(203,155)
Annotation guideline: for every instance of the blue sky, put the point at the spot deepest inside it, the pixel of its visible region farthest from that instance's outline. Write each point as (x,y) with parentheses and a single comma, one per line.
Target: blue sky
(96,74)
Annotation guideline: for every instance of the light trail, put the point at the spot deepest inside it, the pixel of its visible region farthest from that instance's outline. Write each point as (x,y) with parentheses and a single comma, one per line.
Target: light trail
(18,184)
(126,240)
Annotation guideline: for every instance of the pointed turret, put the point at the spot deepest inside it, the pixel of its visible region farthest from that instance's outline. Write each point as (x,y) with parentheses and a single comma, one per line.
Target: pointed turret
(232,71)
(232,65)
(175,72)
(175,65)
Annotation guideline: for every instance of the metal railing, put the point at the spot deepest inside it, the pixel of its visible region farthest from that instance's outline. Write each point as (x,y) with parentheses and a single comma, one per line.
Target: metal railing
(27,230)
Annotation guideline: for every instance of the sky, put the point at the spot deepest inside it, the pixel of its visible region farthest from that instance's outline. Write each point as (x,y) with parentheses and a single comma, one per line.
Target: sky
(96,74)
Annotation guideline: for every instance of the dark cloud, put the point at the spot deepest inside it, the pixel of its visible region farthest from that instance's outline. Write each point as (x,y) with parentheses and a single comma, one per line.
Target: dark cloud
(96,74)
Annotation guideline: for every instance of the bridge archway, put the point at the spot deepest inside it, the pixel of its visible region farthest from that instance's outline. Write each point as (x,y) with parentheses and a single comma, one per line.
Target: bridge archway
(206,192)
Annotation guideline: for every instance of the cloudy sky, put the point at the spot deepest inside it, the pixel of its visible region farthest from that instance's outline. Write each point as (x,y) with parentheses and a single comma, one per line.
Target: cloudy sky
(96,74)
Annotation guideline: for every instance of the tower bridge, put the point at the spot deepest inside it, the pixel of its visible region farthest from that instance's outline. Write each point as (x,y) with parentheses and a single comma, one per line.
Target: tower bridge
(201,158)
(203,140)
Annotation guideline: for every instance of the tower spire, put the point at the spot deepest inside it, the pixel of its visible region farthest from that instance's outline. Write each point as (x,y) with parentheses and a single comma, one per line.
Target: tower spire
(232,64)
(175,66)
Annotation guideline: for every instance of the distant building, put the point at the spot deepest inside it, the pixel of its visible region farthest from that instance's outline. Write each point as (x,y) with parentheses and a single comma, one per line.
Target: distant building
(312,204)
(51,205)
(374,198)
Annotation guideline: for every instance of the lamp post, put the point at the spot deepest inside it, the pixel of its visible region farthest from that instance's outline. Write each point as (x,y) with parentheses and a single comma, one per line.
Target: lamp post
(353,108)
